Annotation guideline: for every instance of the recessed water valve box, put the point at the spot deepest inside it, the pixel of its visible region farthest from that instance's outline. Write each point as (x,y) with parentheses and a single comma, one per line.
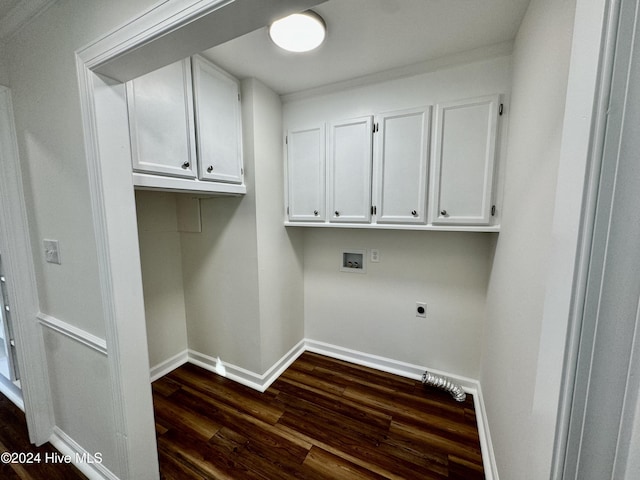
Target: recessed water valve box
(353,261)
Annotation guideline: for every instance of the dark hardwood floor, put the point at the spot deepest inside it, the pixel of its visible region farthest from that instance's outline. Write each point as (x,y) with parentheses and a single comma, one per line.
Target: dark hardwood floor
(322,419)
(15,439)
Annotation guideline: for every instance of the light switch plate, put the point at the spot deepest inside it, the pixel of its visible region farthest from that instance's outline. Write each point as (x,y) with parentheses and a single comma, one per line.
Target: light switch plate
(51,251)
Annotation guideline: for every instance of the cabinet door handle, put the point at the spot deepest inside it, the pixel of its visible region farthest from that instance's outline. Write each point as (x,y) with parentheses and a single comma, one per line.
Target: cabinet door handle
(414,213)
(315,212)
(337,213)
(186,165)
(443,213)
(210,169)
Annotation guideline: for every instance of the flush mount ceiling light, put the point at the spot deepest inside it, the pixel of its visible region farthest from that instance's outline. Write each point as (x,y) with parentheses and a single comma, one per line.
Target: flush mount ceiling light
(300,32)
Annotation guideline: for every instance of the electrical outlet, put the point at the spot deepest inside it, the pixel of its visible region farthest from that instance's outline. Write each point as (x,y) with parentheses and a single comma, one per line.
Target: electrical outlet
(421,309)
(51,251)
(375,256)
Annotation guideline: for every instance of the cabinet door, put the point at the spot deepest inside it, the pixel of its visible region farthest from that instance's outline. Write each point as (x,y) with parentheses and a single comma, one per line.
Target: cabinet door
(349,171)
(402,151)
(465,148)
(160,107)
(306,174)
(218,123)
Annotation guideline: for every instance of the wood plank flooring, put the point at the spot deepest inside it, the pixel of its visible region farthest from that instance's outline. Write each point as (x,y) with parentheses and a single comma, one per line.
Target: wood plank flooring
(322,419)
(15,439)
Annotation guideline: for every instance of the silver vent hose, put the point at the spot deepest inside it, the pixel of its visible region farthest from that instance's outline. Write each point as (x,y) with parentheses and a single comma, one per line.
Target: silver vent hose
(438,381)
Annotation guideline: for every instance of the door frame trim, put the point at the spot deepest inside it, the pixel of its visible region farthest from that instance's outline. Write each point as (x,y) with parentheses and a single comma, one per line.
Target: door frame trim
(607,41)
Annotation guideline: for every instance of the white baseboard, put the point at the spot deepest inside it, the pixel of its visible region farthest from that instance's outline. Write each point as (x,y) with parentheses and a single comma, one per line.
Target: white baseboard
(89,465)
(488,458)
(243,376)
(384,364)
(161,369)
(261,382)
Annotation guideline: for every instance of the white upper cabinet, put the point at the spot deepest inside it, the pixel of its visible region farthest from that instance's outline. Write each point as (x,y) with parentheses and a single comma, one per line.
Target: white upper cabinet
(398,170)
(349,170)
(186,129)
(463,164)
(402,152)
(306,174)
(218,125)
(161,121)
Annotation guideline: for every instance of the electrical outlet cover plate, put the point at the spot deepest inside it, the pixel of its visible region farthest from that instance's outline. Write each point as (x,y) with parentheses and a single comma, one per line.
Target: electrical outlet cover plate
(421,309)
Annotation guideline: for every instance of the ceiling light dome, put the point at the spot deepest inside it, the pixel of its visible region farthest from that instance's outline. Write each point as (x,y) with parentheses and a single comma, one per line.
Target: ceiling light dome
(300,32)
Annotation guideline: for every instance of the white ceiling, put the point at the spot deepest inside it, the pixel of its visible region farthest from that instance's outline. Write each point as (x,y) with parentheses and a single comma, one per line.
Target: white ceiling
(370,36)
(14,14)
(6,6)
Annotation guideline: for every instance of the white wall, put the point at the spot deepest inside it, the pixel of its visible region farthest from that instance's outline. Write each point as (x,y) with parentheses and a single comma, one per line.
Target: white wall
(4,71)
(481,77)
(221,279)
(375,312)
(87,418)
(517,288)
(161,262)
(243,273)
(279,249)
(42,71)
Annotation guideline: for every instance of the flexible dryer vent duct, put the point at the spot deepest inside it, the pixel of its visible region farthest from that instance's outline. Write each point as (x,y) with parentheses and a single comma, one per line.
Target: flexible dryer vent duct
(445,384)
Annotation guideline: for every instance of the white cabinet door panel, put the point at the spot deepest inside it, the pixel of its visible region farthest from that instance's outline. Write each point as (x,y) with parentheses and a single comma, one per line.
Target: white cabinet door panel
(160,107)
(465,148)
(306,174)
(402,152)
(218,123)
(349,170)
